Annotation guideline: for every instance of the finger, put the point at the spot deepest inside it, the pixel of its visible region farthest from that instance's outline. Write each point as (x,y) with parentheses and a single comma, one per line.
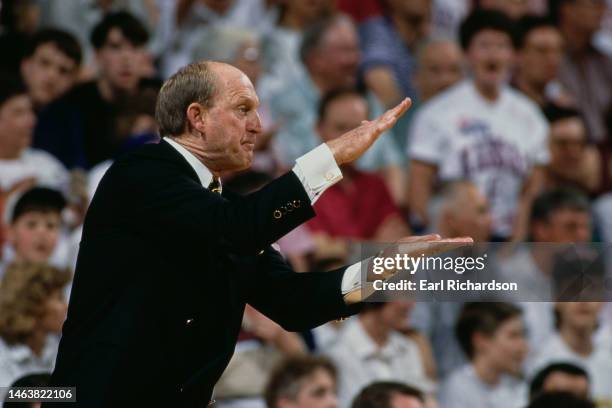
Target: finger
(434,247)
(417,238)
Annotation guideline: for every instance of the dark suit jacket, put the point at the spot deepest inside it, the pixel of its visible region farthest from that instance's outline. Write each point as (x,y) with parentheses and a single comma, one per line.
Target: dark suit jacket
(165,268)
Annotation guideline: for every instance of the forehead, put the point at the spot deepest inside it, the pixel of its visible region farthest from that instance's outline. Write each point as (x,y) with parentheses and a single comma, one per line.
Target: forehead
(235,85)
(50,50)
(354,105)
(490,35)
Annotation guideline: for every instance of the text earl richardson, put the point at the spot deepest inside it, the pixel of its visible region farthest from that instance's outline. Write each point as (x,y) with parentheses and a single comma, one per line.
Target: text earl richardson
(445,285)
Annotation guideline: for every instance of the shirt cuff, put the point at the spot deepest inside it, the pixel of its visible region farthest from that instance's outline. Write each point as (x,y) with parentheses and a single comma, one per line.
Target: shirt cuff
(351,280)
(318,171)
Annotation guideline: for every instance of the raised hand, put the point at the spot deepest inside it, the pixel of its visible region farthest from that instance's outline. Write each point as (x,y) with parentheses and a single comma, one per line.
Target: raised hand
(351,145)
(414,246)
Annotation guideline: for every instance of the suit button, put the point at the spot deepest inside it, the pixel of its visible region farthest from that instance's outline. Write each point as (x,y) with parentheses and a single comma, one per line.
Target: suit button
(188,322)
(289,207)
(277,214)
(261,252)
(297,203)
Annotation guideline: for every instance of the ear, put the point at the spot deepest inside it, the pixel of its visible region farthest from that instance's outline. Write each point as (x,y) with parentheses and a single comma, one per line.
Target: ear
(196,118)
(24,66)
(479,341)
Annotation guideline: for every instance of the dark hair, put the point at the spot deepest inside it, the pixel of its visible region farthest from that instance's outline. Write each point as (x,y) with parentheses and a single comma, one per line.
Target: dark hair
(551,201)
(334,95)
(555,113)
(285,380)
(560,400)
(479,317)
(379,394)
(38,199)
(314,34)
(62,40)
(29,380)
(537,383)
(553,9)
(527,24)
(480,20)
(11,86)
(131,28)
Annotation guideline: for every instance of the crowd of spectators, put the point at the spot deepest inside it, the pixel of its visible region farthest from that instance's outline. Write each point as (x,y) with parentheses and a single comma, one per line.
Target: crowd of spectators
(509,140)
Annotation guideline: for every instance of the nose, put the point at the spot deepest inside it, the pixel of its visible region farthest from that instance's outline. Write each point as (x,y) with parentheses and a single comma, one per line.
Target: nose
(254,123)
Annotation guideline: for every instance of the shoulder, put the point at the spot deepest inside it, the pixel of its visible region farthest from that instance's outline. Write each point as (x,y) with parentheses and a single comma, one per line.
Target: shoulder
(40,157)
(446,102)
(521,103)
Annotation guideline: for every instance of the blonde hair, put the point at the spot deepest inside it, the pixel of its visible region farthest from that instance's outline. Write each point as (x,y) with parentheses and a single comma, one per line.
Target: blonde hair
(25,288)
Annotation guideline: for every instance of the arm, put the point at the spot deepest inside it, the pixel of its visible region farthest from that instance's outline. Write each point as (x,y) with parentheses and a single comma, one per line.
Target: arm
(532,188)
(420,183)
(381,81)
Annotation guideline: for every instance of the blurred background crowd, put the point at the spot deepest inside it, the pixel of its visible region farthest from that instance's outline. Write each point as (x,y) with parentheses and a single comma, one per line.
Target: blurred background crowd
(509,139)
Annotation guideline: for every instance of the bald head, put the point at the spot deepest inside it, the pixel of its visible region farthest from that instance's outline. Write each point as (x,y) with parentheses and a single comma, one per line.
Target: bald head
(439,65)
(464,212)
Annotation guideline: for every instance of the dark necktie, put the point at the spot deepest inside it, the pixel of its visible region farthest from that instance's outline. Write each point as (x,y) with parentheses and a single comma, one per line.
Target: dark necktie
(215,186)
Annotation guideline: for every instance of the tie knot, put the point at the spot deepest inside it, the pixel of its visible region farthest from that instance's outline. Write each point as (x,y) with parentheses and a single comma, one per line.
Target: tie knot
(215,185)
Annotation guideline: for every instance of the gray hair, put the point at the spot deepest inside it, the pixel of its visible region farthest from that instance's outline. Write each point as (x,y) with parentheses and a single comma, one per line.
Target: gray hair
(195,82)
(221,43)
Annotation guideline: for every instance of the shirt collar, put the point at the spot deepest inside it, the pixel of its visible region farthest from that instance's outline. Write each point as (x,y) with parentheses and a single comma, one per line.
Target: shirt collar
(364,346)
(204,175)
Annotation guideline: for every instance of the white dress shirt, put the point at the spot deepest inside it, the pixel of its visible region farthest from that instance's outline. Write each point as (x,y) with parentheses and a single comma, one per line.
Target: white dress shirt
(317,171)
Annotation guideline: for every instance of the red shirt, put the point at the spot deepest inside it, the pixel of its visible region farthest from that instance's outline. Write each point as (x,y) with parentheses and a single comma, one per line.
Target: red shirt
(355,209)
(361,9)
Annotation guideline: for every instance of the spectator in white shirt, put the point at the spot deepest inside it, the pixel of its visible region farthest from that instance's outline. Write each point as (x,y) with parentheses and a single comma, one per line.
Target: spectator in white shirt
(19,162)
(33,311)
(493,338)
(370,349)
(574,342)
(481,130)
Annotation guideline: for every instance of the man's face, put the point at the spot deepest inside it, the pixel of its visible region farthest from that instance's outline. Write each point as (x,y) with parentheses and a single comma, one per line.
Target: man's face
(490,55)
(567,142)
(472,216)
(120,61)
(585,15)
(580,316)
(564,225)
(417,15)
(540,57)
(34,235)
(317,391)
(395,314)
(342,115)
(338,56)
(17,122)
(48,73)
(440,66)
(232,124)
(507,348)
(405,401)
(559,381)
(54,313)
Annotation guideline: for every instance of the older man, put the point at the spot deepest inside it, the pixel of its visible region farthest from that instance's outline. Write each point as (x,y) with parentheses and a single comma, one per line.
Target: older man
(168,261)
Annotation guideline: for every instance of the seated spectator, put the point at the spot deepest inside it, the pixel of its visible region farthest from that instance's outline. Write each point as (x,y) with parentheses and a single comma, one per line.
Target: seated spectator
(330,55)
(261,345)
(463,211)
(34,229)
(572,162)
(33,311)
(50,66)
(389,395)
(20,165)
(18,21)
(539,55)
(302,382)
(481,130)
(557,216)
(29,380)
(389,43)
(492,337)
(585,72)
(79,128)
(560,377)
(573,342)
(370,348)
(560,400)
(360,206)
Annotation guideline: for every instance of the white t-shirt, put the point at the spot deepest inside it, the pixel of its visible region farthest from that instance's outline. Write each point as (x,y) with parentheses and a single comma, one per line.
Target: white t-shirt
(495,145)
(47,170)
(464,389)
(361,361)
(598,364)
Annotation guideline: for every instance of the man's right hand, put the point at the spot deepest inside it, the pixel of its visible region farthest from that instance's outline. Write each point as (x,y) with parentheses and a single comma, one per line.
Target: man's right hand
(351,145)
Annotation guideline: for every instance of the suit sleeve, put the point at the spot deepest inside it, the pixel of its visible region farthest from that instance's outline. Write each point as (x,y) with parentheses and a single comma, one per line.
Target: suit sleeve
(296,301)
(170,205)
